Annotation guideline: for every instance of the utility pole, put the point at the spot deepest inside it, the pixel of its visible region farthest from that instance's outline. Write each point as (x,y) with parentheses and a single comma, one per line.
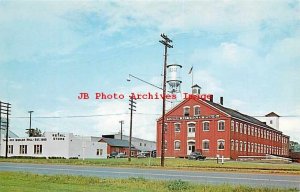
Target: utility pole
(132,106)
(121,122)
(166,42)
(30,129)
(5,110)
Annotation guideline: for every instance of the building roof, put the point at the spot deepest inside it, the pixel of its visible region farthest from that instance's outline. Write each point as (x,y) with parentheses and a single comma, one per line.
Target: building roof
(272,114)
(116,142)
(238,115)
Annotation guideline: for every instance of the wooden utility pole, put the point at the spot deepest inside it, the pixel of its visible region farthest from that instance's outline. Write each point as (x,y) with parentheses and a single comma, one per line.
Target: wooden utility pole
(132,106)
(166,42)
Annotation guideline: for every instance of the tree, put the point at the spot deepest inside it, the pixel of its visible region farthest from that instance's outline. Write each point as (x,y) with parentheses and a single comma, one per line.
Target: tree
(34,132)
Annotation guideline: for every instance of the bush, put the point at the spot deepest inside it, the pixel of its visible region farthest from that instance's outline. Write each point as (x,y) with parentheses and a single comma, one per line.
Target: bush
(178,185)
(56,158)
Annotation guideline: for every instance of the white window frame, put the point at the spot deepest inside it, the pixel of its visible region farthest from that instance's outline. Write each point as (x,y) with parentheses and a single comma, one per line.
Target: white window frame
(221,121)
(223,141)
(175,127)
(184,108)
(204,126)
(197,106)
(177,141)
(205,140)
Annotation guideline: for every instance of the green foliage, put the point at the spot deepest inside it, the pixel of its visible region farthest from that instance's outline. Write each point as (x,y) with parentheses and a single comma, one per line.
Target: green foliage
(178,185)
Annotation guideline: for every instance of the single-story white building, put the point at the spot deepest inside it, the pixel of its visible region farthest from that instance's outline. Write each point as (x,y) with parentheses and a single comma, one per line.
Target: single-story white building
(54,144)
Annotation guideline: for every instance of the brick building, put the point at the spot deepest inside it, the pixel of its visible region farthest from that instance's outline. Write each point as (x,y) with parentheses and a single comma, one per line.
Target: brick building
(205,126)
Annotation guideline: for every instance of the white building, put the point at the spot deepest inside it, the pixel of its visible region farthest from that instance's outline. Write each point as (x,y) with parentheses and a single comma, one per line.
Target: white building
(271,119)
(138,143)
(54,144)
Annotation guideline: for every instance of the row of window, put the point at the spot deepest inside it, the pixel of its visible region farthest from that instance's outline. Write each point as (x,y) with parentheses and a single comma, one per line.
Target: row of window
(186,110)
(243,146)
(256,132)
(192,126)
(37,149)
(205,144)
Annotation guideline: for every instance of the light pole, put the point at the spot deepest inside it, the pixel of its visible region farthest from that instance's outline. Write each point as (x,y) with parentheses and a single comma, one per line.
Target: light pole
(166,42)
(121,122)
(30,129)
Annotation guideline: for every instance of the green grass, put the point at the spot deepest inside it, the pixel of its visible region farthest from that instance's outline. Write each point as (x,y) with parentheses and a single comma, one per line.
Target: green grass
(207,165)
(23,182)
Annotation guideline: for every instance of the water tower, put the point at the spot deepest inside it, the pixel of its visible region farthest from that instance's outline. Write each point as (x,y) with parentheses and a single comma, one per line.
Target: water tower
(174,78)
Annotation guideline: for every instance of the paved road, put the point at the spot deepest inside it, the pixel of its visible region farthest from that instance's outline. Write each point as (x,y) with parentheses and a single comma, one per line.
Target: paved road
(192,176)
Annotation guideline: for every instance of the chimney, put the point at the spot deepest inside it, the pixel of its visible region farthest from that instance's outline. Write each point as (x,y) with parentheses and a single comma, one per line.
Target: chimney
(221,100)
(211,99)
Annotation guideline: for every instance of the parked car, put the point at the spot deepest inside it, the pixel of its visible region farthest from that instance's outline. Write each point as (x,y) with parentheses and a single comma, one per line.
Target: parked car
(113,155)
(196,156)
(141,155)
(121,155)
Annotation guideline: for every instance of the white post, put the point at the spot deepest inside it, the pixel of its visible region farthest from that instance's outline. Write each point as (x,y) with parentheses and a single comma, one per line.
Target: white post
(222,159)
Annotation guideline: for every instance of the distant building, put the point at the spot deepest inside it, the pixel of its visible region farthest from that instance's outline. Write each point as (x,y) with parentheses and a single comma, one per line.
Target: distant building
(138,143)
(119,146)
(271,119)
(54,144)
(202,125)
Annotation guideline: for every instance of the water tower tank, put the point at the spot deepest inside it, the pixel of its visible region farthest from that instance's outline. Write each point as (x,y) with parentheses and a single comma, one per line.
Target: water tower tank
(174,77)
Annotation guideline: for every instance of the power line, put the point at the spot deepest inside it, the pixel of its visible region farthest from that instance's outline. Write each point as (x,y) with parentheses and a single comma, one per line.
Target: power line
(81,116)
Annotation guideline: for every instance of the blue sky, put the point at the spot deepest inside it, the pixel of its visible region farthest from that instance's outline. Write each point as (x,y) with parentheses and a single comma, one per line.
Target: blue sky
(50,51)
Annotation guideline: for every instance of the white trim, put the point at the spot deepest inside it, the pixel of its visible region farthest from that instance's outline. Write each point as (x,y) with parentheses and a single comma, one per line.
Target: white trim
(191,122)
(208,126)
(203,145)
(218,125)
(179,145)
(218,145)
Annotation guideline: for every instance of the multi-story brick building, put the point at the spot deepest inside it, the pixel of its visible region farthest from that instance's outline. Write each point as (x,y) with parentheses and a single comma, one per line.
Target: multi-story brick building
(202,125)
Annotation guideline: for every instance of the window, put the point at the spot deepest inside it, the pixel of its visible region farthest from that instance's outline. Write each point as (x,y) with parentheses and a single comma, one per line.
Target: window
(232,145)
(252,131)
(10,149)
(241,127)
(191,129)
(145,144)
(177,145)
(245,146)
(237,127)
(205,144)
(166,128)
(23,149)
(252,148)
(245,129)
(241,145)
(249,147)
(248,129)
(255,131)
(221,125)
(37,149)
(196,110)
(221,144)
(237,145)
(232,125)
(271,122)
(186,111)
(205,125)
(99,152)
(177,127)
(258,132)
(166,145)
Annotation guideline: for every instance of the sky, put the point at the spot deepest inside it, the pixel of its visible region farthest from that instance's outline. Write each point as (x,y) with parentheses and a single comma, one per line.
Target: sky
(50,51)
